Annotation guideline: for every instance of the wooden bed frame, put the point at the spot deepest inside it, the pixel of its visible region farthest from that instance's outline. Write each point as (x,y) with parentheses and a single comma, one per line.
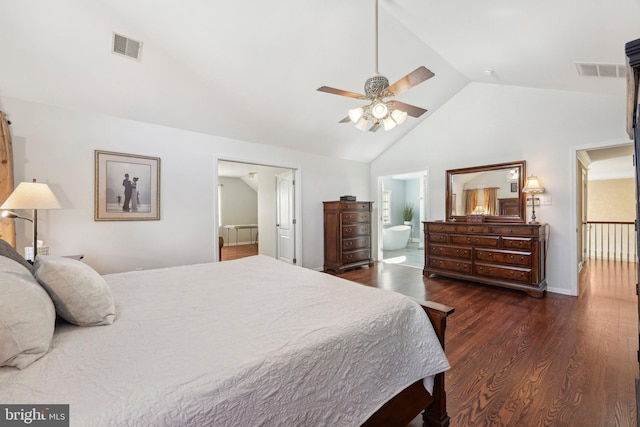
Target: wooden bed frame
(413,400)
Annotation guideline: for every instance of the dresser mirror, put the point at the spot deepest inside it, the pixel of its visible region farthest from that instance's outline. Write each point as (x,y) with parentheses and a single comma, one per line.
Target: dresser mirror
(494,191)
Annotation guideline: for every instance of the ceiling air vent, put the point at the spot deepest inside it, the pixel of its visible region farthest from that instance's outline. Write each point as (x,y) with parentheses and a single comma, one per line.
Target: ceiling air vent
(586,69)
(125,46)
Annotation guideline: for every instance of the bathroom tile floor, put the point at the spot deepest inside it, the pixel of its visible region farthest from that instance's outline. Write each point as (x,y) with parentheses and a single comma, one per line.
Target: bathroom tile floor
(411,256)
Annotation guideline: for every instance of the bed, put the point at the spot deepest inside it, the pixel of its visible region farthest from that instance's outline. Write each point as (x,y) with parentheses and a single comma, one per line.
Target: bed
(252,342)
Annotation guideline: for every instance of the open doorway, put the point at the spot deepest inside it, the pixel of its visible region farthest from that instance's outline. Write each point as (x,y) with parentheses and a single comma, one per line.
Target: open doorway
(605,207)
(251,211)
(403,206)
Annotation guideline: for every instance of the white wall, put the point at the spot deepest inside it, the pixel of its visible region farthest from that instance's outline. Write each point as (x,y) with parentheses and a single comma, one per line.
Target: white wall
(56,145)
(486,123)
(239,206)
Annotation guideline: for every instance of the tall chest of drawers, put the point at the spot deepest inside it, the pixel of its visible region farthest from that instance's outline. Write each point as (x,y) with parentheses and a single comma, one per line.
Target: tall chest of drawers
(501,254)
(347,235)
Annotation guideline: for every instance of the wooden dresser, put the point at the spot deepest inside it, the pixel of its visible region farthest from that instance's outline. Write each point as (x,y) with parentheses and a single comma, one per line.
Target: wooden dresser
(510,255)
(347,235)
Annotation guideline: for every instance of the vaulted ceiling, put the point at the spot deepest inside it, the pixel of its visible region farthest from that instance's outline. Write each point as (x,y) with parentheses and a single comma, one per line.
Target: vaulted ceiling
(249,69)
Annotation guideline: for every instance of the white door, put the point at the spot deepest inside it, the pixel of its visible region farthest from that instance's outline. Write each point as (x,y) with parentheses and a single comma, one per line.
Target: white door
(285,217)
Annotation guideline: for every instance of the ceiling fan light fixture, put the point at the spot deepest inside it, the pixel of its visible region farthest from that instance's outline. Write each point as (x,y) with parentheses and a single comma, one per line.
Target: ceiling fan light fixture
(399,116)
(355,114)
(388,123)
(362,124)
(380,110)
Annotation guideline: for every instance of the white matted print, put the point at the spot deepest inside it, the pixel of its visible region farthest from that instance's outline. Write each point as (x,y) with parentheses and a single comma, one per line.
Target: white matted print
(127,187)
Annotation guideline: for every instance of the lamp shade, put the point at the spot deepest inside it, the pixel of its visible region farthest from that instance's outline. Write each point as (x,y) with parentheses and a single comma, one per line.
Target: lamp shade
(31,195)
(533,185)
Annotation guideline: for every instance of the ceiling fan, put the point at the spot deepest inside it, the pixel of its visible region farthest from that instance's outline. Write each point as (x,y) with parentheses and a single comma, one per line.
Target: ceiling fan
(381,111)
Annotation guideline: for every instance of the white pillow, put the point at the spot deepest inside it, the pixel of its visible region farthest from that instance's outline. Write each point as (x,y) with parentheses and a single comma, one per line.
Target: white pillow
(27,320)
(8,265)
(80,294)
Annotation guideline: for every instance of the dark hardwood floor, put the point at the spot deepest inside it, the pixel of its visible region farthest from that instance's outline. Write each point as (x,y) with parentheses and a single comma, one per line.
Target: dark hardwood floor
(522,361)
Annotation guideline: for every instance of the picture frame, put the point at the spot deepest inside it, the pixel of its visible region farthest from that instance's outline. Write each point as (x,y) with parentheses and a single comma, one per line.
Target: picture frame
(127,187)
(514,187)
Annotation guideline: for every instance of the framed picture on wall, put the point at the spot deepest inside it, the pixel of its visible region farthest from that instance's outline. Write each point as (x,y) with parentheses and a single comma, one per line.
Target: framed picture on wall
(127,187)
(514,187)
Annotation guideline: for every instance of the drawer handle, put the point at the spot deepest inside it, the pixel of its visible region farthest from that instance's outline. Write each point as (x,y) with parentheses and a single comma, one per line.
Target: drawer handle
(349,257)
(509,231)
(470,228)
(347,217)
(348,230)
(348,244)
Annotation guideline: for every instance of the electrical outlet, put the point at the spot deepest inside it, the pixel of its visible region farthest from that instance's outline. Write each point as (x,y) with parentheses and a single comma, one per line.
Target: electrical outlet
(545,200)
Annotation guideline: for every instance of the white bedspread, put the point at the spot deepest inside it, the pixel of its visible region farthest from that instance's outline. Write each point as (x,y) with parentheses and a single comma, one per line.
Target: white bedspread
(252,342)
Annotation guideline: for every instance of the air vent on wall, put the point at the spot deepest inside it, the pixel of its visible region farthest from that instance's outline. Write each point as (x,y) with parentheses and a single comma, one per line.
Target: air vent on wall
(125,46)
(587,69)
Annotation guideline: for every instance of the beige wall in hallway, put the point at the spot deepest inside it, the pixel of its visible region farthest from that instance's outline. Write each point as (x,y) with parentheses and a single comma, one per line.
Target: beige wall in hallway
(611,200)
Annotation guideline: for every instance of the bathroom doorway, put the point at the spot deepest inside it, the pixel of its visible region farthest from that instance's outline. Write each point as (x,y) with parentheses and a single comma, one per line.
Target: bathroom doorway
(403,206)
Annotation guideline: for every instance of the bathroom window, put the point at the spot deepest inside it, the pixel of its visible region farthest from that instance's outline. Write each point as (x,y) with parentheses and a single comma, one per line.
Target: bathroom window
(386,207)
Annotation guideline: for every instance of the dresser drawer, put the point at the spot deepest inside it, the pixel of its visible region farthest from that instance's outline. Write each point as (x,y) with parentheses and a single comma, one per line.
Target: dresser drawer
(437,237)
(507,230)
(517,243)
(451,265)
(450,251)
(355,243)
(441,227)
(348,217)
(355,230)
(487,241)
(355,207)
(512,274)
(355,256)
(472,229)
(504,257)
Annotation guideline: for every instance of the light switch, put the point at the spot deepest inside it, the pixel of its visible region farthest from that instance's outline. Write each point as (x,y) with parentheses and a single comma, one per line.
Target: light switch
(545,200)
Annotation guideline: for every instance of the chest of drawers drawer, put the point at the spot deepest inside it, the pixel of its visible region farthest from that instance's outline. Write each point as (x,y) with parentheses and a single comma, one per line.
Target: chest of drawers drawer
(450,251)
(350,217)
(503,257)
(505,273)
(516,243)
(356,230)
(361,255)
(355,243)
(452,265)
(485,241)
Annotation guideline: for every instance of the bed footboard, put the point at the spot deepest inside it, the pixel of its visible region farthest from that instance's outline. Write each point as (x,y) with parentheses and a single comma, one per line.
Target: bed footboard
(436,413)
(399,411)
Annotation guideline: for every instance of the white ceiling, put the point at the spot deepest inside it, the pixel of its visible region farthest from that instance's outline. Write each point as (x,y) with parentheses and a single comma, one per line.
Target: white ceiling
(249,69)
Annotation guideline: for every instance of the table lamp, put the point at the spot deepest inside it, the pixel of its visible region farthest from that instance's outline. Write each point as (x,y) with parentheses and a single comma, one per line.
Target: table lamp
(533,186)
(30,195)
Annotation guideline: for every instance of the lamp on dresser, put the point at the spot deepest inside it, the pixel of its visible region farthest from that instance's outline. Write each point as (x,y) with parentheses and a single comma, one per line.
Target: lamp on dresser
(533,186)
(30,195)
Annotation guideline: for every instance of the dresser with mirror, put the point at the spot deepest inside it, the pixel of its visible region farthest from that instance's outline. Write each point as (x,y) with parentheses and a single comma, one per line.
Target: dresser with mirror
(485,237)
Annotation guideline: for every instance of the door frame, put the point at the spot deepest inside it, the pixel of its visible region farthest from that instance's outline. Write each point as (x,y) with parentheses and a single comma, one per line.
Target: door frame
(574,227)
(297,199)
(423,214)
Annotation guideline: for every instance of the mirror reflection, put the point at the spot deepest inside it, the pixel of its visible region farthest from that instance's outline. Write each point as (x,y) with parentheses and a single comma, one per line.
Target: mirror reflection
(490,190)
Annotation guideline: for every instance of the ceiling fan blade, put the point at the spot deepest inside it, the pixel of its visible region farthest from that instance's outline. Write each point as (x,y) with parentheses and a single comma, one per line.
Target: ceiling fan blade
(341,92)
(412,79)
(411,110)
(374,128)
(345,120)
